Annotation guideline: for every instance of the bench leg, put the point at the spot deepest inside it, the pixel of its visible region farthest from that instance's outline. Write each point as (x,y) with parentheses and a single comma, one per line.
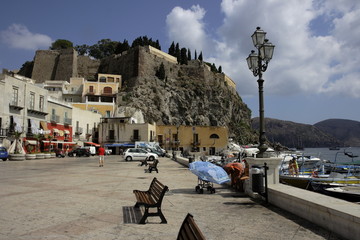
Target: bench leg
(163,219)
(144,217)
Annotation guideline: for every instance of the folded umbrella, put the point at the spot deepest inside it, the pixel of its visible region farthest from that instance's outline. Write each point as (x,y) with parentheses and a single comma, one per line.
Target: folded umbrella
(209,172)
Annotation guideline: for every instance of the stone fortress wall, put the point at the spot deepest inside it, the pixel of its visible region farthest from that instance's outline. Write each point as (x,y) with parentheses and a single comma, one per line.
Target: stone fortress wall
(65,64)
(62,65)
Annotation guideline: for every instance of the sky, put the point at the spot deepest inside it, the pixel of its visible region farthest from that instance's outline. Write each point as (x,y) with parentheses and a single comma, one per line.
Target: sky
(314,74)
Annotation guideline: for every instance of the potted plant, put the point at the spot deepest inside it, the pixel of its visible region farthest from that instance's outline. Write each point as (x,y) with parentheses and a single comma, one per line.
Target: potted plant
(30,155)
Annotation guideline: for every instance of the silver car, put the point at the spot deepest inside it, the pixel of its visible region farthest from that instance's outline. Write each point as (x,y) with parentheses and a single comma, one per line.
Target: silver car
(139,154)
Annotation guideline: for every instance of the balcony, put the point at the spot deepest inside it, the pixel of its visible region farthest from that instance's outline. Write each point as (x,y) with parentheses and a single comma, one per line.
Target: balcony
(78,131)
(54,118)
(67,121)
(37,112)
(15,106)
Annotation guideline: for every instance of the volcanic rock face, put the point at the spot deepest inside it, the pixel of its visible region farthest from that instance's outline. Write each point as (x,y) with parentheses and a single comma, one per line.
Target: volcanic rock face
(189,94)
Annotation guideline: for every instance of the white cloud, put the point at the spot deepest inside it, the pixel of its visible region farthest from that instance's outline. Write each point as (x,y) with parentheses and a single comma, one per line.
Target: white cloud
(19,36)
(187,28)
(303,62)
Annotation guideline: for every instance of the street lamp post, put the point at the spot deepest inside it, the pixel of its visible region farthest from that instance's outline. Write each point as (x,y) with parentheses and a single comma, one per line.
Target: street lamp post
(257,63)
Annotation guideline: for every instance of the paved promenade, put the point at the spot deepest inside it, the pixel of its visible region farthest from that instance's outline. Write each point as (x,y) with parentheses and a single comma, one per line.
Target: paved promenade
(73,198)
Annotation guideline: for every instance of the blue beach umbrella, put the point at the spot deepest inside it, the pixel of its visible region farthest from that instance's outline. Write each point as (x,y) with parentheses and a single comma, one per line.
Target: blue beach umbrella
(209,172)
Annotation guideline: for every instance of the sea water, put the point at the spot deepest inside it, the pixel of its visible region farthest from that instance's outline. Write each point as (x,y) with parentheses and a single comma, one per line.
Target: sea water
(332,155)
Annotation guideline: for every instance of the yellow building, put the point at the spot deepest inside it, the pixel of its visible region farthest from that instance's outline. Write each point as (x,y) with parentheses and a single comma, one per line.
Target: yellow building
(100,95)
(207,139)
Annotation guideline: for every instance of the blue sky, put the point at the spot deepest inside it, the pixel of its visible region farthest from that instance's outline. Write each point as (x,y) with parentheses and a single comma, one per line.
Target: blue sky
(314,74)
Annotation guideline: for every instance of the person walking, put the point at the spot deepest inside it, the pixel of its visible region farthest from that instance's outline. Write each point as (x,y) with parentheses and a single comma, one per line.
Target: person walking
(101,156)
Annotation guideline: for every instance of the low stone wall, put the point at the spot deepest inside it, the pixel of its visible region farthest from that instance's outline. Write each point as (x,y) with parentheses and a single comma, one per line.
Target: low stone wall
(336,215)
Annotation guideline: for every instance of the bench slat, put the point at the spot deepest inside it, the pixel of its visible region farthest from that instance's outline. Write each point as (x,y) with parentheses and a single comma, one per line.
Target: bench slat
(189,230)
(151,199)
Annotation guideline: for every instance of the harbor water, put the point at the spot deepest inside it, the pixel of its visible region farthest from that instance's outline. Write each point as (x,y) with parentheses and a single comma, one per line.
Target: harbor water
(332,155)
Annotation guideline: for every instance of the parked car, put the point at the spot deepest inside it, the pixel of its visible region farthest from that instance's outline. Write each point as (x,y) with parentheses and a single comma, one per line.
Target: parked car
(3,153)
(139,154)
(79,152)
(153,150)
(59,153)
(92,150)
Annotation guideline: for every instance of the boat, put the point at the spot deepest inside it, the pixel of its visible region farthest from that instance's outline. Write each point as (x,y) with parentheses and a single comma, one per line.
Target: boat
(349,193)
(334,148)
(321,175)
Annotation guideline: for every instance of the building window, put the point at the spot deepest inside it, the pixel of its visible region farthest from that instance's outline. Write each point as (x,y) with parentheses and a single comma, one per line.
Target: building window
(15,94)
(136,136)
(41,104)
(91,89)
(111,135)
(108,90)
(102,79)
(32,100)
(108,114)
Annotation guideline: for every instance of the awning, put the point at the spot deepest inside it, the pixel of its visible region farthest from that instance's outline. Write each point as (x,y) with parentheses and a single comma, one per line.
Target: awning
(120,145)
(66,132)
(93,144)
(30,142)
(55,142)
(55,130)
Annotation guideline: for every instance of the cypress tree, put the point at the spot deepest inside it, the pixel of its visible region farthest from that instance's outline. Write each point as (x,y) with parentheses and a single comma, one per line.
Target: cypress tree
(183,56)
(172,49)
(189,55)
(177,52)
(201,56)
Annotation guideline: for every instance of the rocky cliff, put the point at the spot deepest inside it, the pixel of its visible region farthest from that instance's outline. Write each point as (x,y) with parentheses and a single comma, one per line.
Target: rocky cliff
(190,94)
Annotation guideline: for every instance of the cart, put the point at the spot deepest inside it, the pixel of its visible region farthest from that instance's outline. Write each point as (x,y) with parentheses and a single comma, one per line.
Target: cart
(202,184)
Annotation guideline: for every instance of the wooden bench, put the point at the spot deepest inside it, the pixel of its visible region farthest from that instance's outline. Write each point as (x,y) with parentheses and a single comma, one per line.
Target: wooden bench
(153,166)
(189,230)
(151,198)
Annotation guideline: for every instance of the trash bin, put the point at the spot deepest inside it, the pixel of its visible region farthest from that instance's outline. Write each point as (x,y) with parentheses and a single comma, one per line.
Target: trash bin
(257,176)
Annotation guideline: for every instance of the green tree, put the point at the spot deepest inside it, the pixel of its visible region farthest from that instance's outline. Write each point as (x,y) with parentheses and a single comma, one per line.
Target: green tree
(103,48)
(213,68)
(61,44)
(177,52)
(144,41)
(220,69)
(160,73)
(189,55)
(122,46)
(82,49)
(172,49)
(200,56)
(183,56)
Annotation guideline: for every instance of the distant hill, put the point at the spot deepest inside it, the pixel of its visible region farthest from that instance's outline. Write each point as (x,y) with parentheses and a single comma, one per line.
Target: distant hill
(294,135)
(346,131)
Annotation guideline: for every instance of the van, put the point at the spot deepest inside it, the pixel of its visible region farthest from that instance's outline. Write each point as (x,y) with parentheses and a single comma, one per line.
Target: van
(92,150)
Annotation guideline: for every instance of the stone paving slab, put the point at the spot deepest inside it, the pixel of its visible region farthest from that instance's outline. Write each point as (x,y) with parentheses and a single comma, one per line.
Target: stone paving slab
(73,198)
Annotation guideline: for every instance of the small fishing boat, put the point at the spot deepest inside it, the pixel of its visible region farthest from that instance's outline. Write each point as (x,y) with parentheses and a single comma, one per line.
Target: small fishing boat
(350,193)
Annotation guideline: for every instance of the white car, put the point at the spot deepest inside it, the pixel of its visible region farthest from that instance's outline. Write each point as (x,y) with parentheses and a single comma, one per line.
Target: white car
(139,154)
